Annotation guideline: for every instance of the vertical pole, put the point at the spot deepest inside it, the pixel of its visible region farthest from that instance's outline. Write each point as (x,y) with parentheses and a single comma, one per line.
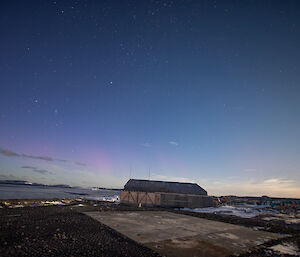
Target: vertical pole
(130,172)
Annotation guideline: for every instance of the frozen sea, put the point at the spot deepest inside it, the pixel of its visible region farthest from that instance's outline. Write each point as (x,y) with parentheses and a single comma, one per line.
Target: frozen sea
(8,191)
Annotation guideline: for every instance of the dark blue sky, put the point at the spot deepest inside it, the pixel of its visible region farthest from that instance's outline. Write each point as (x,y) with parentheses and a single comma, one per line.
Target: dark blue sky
(203,91)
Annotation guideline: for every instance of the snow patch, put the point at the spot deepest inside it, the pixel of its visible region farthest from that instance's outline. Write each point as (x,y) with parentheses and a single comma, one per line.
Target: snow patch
(292,221)
(288,219)
(286,248)
(52,203)
(18,206)
(112,199)
(229,235)
(244,211)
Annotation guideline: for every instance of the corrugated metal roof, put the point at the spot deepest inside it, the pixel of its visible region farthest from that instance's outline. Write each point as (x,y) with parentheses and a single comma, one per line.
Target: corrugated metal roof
(139,185)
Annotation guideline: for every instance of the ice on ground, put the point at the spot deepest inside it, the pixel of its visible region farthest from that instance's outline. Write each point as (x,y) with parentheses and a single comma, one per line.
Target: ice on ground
(244,211)
(105,198)
(270,218)
(18,206)
(258,228)
(256,206)
(292,221)
(112,199)
(250,211)
(52,203)
(286,248)
(288,219)
(229,235)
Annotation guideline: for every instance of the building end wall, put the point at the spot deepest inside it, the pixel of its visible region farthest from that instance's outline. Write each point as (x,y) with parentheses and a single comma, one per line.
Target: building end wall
(166,200)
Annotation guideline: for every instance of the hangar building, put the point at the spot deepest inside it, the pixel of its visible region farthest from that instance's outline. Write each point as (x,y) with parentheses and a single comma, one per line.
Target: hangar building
(165,194)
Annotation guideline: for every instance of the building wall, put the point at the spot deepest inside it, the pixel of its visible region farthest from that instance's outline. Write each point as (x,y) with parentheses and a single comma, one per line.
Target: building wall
(144,198)
(186,201)
(166,199)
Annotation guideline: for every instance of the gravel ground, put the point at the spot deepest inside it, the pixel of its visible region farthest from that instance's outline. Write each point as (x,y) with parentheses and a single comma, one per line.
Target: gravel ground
(270,226)
(265,251)
(61,231)
(65,231)
(292,232)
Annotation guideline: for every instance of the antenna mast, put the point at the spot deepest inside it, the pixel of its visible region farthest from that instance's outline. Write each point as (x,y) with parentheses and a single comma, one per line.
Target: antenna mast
(130,171)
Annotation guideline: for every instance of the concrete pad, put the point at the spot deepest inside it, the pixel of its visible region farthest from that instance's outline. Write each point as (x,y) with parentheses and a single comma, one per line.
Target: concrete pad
(173,234)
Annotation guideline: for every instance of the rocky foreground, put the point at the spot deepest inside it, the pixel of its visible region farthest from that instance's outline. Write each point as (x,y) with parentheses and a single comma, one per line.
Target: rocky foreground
(61,231)
(38,228)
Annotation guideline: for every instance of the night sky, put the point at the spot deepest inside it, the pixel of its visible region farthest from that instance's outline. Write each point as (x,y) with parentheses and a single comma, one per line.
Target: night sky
(93,92)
